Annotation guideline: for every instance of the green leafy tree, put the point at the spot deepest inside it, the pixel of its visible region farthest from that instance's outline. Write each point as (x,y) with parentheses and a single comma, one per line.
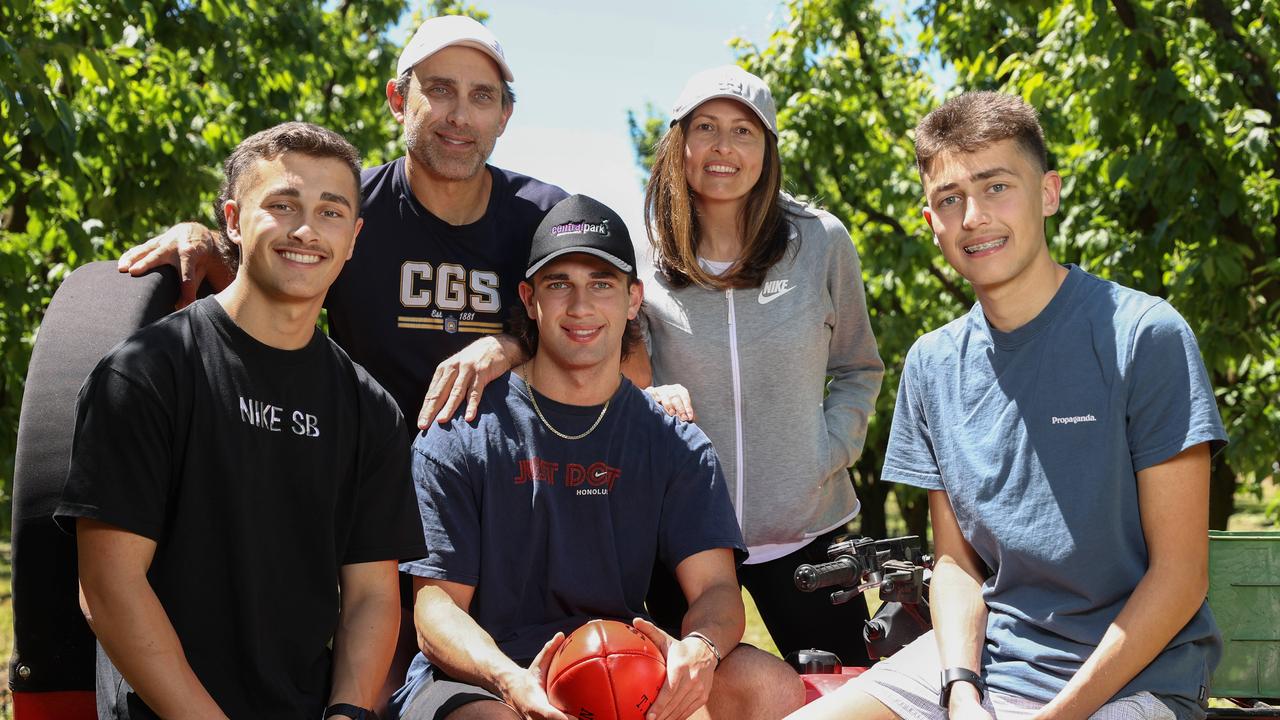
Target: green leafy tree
(1162,118)
(115,116)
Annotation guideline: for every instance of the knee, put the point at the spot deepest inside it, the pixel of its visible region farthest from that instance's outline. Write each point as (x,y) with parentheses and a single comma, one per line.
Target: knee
(753,684)
(483,710)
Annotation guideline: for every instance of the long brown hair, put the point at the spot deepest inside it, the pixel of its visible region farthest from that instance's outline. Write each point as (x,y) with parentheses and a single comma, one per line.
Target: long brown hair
(672,222)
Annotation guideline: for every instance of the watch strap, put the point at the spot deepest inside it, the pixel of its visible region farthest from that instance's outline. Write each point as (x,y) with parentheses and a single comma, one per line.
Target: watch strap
(710,644)
(355,712)
(950,676)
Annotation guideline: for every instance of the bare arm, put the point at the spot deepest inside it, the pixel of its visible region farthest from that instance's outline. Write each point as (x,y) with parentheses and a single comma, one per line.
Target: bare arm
(959,613)
(1173,500)
(132,625)
(190,247)
(465,375)
(452,640)
(710,584)
(367,627)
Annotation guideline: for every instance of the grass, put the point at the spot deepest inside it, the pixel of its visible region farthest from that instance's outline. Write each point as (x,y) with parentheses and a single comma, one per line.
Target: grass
(1251,511)
(756,634)
(6,629)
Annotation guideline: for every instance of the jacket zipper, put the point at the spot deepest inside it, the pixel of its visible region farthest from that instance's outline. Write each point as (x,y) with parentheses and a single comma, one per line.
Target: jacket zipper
(737,406)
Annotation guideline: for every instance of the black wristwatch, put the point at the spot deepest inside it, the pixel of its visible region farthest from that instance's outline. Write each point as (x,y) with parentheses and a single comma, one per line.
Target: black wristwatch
(354,712)
(950,676)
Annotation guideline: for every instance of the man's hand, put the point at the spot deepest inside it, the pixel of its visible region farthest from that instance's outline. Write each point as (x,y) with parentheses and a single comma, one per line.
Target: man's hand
(465,374)
(674,399)
(690,669)
(526,691)
(190,247)
(965,705)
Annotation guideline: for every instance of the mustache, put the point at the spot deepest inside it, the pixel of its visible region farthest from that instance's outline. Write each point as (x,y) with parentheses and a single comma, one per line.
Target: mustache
(319,247)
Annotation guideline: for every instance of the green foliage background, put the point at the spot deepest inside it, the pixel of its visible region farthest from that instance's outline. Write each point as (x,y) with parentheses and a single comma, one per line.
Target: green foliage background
(116,115)
(1161,115)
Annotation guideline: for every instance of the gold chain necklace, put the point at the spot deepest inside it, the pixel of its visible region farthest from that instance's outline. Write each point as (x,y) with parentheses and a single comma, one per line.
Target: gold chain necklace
(533,397)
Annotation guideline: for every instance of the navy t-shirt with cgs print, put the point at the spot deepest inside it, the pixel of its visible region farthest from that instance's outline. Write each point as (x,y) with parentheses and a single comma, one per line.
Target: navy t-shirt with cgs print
(418,289)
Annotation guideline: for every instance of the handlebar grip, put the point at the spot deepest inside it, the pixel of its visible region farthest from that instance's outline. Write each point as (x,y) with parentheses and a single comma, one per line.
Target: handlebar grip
(842,571)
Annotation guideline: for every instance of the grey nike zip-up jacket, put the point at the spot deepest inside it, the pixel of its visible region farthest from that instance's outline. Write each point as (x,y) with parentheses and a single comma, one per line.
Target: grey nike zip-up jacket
(755,360)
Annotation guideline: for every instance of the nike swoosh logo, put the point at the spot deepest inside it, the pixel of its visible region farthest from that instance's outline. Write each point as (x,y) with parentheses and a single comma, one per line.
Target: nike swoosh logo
(600,473)
(766,299)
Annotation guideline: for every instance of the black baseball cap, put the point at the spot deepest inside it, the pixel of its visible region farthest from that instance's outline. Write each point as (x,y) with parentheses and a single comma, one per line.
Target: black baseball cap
(586,225)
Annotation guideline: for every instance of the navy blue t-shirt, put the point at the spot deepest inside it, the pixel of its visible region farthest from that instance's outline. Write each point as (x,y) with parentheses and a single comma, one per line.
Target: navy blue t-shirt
(418,289)
(554,532)
(1037,436)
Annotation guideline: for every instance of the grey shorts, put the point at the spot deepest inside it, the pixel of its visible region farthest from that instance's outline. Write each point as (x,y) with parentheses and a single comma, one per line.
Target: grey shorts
(440,695)
(908,683)
(115,699)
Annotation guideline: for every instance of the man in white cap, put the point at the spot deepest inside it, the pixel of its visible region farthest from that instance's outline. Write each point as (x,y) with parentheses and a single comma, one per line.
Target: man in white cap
(423,302)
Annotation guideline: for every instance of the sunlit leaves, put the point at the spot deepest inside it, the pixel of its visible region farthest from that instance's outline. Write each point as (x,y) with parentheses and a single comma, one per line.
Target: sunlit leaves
(115,116)
(1163,118)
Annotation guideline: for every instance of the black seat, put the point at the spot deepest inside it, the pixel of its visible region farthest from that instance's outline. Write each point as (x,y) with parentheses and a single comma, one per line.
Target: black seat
(52,666)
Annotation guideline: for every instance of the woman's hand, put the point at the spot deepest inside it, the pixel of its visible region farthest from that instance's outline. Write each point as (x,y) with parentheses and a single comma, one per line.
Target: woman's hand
(674,399)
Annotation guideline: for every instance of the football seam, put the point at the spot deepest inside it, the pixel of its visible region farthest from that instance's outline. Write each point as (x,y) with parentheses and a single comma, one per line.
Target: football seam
(579,661)
(609,672)
(613,694)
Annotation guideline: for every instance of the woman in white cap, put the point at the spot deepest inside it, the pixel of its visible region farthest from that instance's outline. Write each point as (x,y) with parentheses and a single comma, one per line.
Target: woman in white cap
(755,299)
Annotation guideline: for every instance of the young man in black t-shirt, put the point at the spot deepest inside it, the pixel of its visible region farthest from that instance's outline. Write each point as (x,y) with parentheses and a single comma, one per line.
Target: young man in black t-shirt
(424,301)
(239,487)
(551,508)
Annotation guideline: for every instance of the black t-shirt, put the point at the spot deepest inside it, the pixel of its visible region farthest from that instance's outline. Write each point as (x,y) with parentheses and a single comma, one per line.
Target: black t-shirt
(418,289)
(259,472)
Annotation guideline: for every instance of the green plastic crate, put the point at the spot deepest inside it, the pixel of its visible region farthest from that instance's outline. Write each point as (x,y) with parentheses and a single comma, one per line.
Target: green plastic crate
(1244,593)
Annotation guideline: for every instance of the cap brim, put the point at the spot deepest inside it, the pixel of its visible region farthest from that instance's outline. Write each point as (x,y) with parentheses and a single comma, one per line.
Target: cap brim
(610,258)
(503,69)
(727,96)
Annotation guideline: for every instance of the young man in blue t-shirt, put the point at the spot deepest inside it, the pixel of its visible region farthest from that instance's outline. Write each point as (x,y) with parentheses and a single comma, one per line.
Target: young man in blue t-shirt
(551,507)
(1063,428)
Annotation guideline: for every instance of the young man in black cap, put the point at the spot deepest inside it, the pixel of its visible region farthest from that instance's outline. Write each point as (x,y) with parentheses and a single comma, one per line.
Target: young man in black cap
(239,488)
(551,508)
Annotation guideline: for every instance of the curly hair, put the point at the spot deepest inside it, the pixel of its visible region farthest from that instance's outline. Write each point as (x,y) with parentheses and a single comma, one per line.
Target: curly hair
(525,330)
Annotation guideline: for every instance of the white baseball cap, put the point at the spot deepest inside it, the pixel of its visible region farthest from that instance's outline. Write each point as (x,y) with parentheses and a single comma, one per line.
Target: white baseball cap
(445,31)
(727,81)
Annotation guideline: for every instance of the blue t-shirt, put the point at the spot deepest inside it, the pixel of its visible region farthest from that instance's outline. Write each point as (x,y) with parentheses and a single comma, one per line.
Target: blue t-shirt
(1037,435)
(417,289)
(552,532)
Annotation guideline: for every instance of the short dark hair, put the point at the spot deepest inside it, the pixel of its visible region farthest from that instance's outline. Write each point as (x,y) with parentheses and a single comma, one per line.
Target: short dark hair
(402,89)
(525,329)
(974,121)
(269,144)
